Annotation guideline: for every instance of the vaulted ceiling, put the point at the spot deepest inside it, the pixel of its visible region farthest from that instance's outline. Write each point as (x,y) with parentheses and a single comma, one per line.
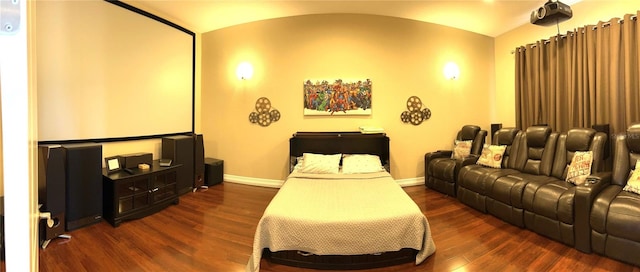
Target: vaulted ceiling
(487,17)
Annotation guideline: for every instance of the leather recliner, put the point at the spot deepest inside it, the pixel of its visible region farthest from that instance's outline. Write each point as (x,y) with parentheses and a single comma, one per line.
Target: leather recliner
(534,158)
(471,178)
(441,171)
(559,209)
(615,215)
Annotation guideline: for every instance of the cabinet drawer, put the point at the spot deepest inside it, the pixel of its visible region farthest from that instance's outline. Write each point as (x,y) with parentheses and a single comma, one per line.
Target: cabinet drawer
(132,186)
(125,204)
(164,179)
(165,192)
(133,202)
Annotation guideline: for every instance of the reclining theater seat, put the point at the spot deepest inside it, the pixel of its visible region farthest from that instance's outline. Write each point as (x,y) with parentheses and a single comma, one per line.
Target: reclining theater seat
(441,171)
(472,178)
(615,216)
(534,158)
(560,209)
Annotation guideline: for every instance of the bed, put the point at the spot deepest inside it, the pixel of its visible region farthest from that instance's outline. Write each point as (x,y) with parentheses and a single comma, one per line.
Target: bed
(348,218)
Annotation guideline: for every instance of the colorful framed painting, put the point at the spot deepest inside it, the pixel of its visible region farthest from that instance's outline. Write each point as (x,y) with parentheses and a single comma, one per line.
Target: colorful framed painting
(322,97)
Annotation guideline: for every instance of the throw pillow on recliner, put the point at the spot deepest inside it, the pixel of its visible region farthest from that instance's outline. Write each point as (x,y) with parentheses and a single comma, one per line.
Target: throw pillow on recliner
(492,156)
(461,150)
(633,184)
(580,167)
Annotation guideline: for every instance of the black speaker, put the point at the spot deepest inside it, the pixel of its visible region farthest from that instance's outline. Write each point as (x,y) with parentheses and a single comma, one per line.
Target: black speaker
(2,255)
(180,150)
(214,171)
(198,161)
(51,189)
(133,160)
(494,128)
(83,185)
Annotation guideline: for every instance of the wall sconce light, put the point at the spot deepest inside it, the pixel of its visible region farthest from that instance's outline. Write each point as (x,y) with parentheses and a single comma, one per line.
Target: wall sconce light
(244,70)
(451,71)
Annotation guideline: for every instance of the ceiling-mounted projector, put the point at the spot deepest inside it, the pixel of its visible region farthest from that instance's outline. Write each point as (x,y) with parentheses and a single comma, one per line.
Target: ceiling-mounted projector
(551,13)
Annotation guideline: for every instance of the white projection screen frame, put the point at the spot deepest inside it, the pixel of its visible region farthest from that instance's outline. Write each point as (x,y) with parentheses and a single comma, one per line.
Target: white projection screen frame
(107,71)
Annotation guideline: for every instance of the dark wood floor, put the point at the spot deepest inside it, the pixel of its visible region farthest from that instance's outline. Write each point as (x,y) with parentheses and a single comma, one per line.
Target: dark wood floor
(212,230)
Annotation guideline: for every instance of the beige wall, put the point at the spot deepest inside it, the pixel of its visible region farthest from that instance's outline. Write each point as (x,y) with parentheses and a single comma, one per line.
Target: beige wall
(402,57)
(587,12)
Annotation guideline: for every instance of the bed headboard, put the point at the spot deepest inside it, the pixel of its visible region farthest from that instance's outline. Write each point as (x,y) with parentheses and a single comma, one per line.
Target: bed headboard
(339,142)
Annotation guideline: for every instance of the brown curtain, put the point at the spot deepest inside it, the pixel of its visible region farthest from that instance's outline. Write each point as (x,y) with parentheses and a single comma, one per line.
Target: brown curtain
(586,77)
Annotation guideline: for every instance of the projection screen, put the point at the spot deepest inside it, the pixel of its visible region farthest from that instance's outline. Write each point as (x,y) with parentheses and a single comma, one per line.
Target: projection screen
(106,73)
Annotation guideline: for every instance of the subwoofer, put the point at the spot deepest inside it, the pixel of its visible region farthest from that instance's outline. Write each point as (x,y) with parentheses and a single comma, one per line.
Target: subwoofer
(51,190)
(214,171)
(83,185)
(180,150)
(198,161)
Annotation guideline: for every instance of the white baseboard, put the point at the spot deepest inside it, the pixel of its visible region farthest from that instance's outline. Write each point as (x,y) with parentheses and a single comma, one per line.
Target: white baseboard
(410,181)
(274,183)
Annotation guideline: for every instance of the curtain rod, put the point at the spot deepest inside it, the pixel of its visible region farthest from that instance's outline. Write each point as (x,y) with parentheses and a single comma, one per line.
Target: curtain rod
(621,21)
(605,24)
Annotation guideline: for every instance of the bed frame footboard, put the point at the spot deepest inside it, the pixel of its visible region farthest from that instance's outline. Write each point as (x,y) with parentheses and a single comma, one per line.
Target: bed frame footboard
(340,262)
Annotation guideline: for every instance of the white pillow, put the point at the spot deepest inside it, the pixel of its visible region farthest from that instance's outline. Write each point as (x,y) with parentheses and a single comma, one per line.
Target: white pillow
(320,164)
(580,167)
(492,156)
(361,163)
(461,150)
(633,184)
(299,162)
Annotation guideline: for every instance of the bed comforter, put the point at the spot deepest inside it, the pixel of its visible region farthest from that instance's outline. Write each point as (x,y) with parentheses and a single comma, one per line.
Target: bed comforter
(340,214)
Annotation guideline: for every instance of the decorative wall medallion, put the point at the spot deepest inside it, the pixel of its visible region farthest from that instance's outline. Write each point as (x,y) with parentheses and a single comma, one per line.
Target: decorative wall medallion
(264,114)
(415,114)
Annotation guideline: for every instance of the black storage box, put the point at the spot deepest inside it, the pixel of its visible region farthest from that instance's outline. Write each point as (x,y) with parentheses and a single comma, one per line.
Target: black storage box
(213,171)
